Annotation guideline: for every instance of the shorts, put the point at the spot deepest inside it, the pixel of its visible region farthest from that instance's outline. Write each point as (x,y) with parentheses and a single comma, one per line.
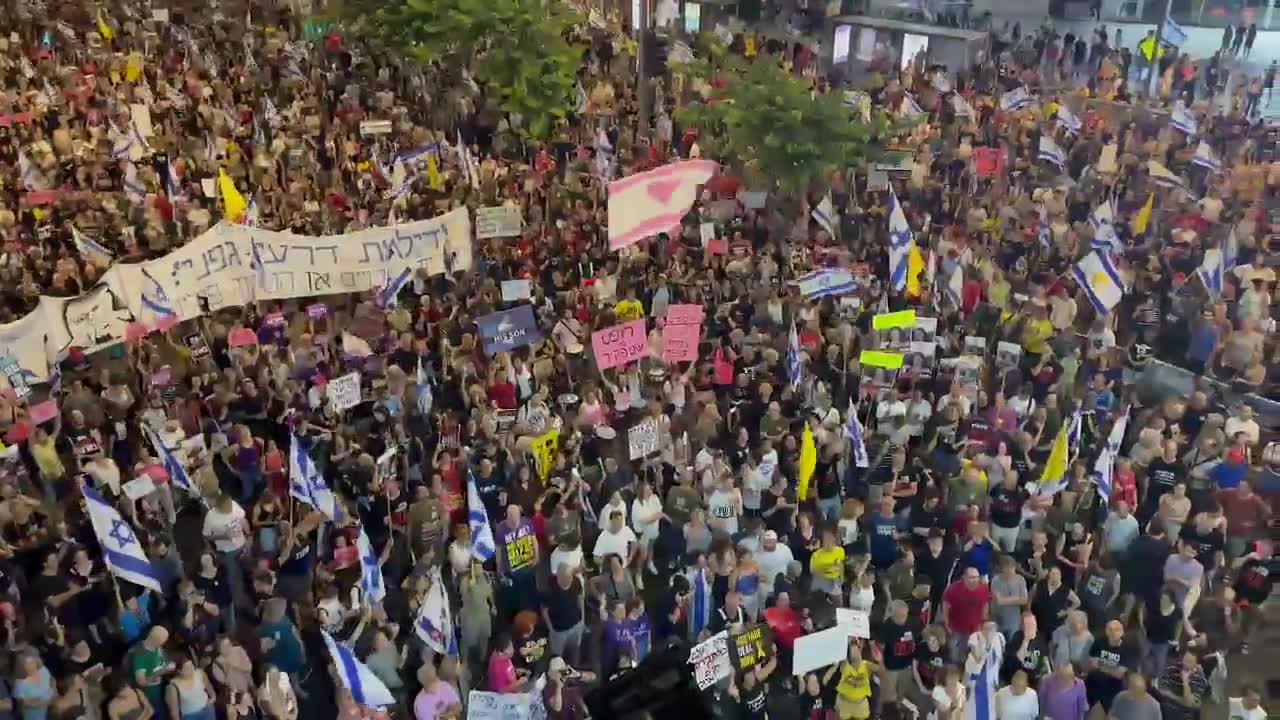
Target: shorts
(896,684)
(847,709)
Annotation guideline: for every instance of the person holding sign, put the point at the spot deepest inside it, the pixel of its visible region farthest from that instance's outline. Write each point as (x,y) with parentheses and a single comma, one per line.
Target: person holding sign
(853,691)
(517,561)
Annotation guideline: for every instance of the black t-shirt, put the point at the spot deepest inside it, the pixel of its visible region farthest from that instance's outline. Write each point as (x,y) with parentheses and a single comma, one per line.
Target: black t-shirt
(1254,581)
(215,589)
(899,643)
(780,521)
(1161,476)
(929,664)
(562,606)
(1034,660)
(1109,656)
(928,519)
(1207,545)
(752,702)
(1006,506)
(489,487)
(1160,627)
(533,652)
(47,586)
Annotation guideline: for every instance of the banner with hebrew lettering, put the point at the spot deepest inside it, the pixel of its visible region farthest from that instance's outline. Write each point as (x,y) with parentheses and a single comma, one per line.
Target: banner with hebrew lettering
(620,344)
(230,265)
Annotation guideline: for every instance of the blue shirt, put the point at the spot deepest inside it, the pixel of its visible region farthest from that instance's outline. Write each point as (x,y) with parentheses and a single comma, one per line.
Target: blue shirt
(979,558)
(883,538)
(286,654)
(134,624)
(38,689)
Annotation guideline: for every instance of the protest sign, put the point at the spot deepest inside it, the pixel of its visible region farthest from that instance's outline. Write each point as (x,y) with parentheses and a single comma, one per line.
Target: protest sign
(684,315)
(718,246)
(196,344)
(513,290)
(820,649)
(620,344)
(544,449)
(15,375)
(1008,354)
(752,647)
(139,487)
(318,311)
(483,705)
(344,392)
(680,343)
(375,127)
(710,660)
(241,337)
(162,377)
(44,412)
(900,319)
(275,319)
(507,330)
(876,358)
(857,621)
(642,439)
(498,221)
(652,202)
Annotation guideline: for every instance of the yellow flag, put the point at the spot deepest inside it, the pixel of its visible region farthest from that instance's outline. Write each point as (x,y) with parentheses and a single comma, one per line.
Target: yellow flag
(1055,468)
(1143,217)
(433,173)
(233,203)
(104,29)
(808,461)
(915,267)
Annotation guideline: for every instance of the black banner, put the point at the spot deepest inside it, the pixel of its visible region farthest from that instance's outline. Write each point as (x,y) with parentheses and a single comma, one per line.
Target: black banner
(752,647)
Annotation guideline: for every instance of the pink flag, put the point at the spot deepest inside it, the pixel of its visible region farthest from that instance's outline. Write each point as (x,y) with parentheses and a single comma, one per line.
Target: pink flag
(655,201)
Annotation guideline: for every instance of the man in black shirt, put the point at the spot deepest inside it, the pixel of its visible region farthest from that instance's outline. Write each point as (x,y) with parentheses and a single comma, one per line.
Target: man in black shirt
(1110,659)
(491,488)
(1006,512)
(562,612)
(1208,539)
(937,564)
(1142,567)
(897,639)
(1162,473)
(1028,651)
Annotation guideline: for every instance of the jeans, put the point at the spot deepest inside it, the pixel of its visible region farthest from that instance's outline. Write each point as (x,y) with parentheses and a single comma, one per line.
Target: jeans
(1006,539)
(1157,657)
(250,481)
(204,713)
(568,642)
(829,508)
(230,562)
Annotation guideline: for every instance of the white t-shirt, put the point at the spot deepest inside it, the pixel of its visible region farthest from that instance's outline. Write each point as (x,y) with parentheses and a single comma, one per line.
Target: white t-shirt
(225,529)
(1236,711)
(1018,707)
(771,563)
(943,702)
(611,543)
(572,558)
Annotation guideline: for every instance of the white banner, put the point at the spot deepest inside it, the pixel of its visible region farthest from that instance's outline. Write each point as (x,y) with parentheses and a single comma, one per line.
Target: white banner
(642,439)
(513,290)
(505,706)
(500,221)
(232,265)
(344,392)
(710,660)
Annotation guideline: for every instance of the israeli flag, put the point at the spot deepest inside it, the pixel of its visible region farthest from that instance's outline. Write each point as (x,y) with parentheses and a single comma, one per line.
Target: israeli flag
(173,466)
(89,248)
(426,398)
(121,548)
(1206,158)
(955,286)
(853,429)
(1162,176)
(824,214)
(1068,120)
(386,297)
(899,244)
(1211,271)
(984,675)
(306,483)
(1103,220)
(1104,467)
(366,689)
(172,183)
(435,623)
(468,162)
(371,582)
(1050,151)
(1096,274)
(133,189)
(482,545)
(1182,119)
(1016,99)
(1231,250)
(826,282)
(794,371)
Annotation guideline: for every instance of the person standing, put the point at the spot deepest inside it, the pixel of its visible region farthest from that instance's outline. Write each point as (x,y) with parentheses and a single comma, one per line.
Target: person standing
(517,563)
(1135,703)
(965,606)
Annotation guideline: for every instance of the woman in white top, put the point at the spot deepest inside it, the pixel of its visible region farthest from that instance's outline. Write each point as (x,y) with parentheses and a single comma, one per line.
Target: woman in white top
(724,507)
(754,483)
(949,696)
(1017,701)
(646,512)
(616,503)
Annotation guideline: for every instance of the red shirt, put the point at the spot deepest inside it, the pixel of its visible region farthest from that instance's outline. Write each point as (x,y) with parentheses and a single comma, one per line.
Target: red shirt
(503,396)
(966,609)
(785,624)
(1124,486)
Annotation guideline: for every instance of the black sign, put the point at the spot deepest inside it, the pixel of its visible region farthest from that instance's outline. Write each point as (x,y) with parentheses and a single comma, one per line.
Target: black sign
(195,343)
(752,647)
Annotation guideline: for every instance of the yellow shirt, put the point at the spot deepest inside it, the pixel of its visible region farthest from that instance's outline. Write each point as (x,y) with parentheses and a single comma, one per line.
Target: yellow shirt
(46,457)
(855,681)
(628,310)
(828,564)
(1035,336)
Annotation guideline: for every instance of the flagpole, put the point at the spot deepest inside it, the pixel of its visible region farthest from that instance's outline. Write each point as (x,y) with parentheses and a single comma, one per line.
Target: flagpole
(115,585)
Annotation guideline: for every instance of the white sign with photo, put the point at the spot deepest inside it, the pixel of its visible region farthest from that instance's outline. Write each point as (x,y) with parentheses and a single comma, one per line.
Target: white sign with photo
(499,221)
(857,621)
(642,439)
(513,290)
(505,706)
(1008,354)
(344,392)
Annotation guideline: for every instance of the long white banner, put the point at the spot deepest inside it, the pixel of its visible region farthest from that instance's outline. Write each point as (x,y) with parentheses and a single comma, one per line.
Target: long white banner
(227,266)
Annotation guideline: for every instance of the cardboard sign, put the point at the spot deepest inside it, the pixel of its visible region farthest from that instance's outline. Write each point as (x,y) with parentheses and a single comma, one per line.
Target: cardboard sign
(375,127)
(344,392)
(139,487)
(858,622)
(44,412)
(620,344)
(242,337)
(820,649)
(752,647)
(684,315)
(499,221)
(900,319)
(196,344)
(513,290)
(544,449)
(876,358)
(680,343)
(710,660)
(318,311)
(483,705)
(642,439)
(1008,354)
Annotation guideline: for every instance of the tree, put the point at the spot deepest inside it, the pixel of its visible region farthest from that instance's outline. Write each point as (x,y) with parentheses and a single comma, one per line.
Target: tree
(519,48)
(769,126)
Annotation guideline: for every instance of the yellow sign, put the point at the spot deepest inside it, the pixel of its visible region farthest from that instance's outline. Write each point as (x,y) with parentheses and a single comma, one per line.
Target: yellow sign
(875,358)
(544,449)
(900,319)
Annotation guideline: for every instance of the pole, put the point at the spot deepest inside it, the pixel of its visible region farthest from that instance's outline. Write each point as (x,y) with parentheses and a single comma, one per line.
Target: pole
(1155,50)
(642,71)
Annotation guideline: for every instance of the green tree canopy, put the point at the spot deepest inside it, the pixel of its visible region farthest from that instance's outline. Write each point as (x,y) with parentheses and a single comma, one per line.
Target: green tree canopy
(520,46)
(768,125)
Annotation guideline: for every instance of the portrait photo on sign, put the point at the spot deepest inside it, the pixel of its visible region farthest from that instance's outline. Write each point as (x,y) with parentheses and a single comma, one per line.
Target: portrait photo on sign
(96,318)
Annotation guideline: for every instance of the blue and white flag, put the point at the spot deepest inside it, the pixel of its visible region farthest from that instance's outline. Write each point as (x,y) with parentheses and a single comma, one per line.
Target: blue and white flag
(435,623)
(1103,221)
(1016,99)
(172,465)
(134,191)
(955,286)
(606,159)
(371,582)
(469,168)
(426,397)
(899,244)
(1182,119)
(826,282)
(853,429)
(386,296)
(1212,271)
(1096,274)
(984,678)
(121,549)
(173,183)
(1104,466)
(794,371)
(1068,121)
(90,249)
(1231,250)
(1206,158)
(307,484)
(824,214)
(507,330)
(482,544)
(1075,428)
(366,689)
(1050,151)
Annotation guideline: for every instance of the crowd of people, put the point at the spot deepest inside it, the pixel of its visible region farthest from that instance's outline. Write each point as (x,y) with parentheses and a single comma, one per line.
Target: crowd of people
(1030,525)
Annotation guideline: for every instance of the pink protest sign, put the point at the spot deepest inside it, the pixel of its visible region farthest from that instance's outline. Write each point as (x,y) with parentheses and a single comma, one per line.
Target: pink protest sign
(44,412)
(684,315)
(680,342)
(319,311)
(242,337)
(620,344)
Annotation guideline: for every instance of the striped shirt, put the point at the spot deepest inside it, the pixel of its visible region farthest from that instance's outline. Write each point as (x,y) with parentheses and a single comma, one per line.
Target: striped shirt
(1171,687)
